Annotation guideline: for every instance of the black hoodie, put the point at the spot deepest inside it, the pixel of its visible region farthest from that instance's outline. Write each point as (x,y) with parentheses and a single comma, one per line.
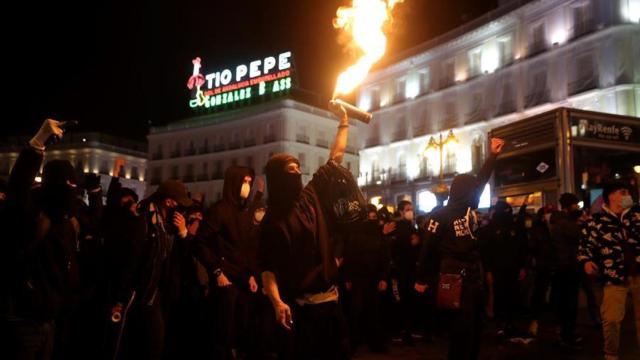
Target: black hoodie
(228,218)
(450,233)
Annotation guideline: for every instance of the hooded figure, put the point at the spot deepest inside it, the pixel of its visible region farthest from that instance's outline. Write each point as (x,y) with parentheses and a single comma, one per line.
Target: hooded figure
(450,246)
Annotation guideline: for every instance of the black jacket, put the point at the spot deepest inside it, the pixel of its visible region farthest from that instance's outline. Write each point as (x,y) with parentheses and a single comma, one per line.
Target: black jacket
(565,239)
(503,246)
(366,253)
(450,242)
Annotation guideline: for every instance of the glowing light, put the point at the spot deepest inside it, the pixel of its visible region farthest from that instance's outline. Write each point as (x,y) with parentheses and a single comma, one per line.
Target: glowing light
(581,204)
(413,167)
(364,22)
(630,10)
(461,76)
(412,87)
(490,59)
(559,36)
(377,201)
(427,201)
(364,102)
(38,179)
(637,169)
(485,198)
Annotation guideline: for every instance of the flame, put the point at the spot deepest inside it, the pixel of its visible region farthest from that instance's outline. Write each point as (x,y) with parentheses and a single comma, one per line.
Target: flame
(363,22)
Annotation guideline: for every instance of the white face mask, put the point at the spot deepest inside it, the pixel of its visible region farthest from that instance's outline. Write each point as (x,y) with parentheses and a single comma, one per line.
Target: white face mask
(408,215)
(627,202)
(244,191)
(258,215)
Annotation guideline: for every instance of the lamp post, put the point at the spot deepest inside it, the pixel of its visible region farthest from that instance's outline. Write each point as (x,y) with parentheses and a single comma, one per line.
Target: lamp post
(441,189)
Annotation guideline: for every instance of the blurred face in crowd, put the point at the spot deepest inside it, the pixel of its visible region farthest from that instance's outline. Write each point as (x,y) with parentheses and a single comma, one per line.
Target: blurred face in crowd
(129,203)
(372,215)
(415,240)
(245,189)
(293,168)
(407,212)
(620,200)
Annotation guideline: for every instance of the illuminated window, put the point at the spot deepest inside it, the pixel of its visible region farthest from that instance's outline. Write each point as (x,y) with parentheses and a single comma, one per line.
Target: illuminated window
(505,50)
(425,77)
(400,90)
(475,61)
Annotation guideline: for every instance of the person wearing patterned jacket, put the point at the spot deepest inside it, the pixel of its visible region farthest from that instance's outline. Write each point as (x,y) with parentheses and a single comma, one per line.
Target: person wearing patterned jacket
(610,247)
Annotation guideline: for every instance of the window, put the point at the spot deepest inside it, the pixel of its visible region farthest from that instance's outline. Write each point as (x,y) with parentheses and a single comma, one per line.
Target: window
(425,77)
(104,168)
(448,74)
(505,50)
(401,85)
(585,74)
(582,23)
(475,62)
(375,99)
(537,40)
(477,153)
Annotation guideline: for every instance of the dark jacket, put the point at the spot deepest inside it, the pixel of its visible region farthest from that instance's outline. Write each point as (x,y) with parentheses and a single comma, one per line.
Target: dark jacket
(565,239)
(503,246)
(403,256)
(42,273)
(450,242)
(604,238)
(366,253)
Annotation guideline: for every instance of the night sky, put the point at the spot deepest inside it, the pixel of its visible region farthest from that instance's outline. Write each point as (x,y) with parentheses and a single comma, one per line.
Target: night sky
(118,66)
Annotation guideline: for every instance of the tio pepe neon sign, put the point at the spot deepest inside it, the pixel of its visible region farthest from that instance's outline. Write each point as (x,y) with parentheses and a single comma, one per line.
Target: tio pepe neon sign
(270,75)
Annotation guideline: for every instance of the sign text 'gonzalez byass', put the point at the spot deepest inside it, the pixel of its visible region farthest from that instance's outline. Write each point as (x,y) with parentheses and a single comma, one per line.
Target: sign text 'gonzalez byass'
(270,75)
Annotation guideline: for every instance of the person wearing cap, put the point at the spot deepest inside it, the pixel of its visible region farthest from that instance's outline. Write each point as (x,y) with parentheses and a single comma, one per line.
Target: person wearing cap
(450,247)
(155,242)
(610,248)
(564,226)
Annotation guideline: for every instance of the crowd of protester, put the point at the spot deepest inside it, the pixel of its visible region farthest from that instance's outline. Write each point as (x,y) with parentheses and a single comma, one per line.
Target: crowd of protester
(313,273)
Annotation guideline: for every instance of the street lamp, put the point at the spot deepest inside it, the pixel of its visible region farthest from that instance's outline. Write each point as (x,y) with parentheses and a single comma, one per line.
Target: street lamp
(450,143)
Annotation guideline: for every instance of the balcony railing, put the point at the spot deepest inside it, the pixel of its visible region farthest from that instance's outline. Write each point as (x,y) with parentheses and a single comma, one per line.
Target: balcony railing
(304,139)
(237,144)
(250,142)
(269,138)
(219,148)
(203,150)
(583,28)
(188,178)
(190,152)
(156,156)
(175,154)
(203,177)
(322,143)
(217,175)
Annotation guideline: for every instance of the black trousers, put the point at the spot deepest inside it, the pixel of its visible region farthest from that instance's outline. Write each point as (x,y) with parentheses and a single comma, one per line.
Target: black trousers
(506,292)
(28,340)
(227,311)
(319,332)
(144,332)
(364,314)
(466,323)
(565,287)
(541,285)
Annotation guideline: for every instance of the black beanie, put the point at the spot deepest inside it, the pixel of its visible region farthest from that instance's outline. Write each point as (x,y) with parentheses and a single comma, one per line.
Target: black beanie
(612,187)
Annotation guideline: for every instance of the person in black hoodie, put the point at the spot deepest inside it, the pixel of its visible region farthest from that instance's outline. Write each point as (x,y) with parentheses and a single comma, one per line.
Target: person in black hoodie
(366,272)
(230,221)
(41,244)
(297,253)
(503,249)
(450,246)
(565,239)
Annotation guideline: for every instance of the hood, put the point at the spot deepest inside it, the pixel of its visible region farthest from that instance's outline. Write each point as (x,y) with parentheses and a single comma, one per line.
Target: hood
(233,179)
(464,192)
(283,188)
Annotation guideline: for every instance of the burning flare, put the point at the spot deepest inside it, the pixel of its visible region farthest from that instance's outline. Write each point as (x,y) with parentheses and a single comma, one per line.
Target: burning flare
(363,22)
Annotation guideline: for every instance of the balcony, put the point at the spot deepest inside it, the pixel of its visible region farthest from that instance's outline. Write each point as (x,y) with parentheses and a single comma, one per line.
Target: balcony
(175,154)
(188,178)
(219,148)
(203,150)
(217,175)
(190,152)
(236,144)
(322,143)
(203,177)
(536,48)
(585,83)
(583,28)
(250,142)
(269,138)
(157,156)
(301,138)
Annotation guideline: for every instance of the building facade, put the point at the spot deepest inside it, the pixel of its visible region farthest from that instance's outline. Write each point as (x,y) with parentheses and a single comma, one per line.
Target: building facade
(198,150)
(89,153)
(522,59)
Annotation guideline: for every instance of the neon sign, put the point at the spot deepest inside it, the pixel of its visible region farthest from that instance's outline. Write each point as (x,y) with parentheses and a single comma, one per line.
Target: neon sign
(271,75)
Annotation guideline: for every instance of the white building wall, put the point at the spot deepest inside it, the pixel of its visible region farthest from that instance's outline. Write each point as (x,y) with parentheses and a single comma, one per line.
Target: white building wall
(524,61)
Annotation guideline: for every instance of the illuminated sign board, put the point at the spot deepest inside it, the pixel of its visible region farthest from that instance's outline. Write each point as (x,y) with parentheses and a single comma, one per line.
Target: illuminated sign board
(267,76)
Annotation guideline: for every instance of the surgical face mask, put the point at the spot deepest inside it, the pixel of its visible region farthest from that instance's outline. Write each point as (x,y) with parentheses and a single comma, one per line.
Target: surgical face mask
(258,215)
(244,191)
(408,215)
(627,202)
